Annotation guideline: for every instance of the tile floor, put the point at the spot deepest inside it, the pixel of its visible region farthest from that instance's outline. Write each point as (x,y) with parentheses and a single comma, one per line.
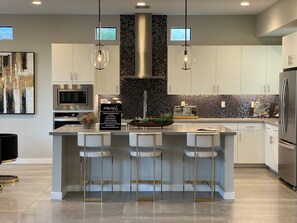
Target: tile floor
(260,197)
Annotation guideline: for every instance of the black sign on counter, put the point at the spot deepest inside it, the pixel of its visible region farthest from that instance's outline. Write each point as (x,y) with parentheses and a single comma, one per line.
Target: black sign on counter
(110,116)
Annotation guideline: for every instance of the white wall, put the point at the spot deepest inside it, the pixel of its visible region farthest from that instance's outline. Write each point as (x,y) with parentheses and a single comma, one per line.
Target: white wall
(221,30)
(278,20)
(35,33)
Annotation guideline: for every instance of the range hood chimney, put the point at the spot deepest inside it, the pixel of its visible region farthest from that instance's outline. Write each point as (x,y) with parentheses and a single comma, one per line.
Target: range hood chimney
(143,47)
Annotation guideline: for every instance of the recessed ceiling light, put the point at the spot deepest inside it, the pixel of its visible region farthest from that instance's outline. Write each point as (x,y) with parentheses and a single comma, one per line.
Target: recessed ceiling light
(245,3)
(36,2)
(141,4)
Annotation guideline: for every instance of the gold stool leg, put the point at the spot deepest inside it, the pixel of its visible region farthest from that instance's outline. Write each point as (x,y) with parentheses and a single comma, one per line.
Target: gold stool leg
(161,173)
(154,168)
(130,174)
(102,159)
(84,177)
(195,173)
(137,173)
(112,174)
(183,173)
(81,174)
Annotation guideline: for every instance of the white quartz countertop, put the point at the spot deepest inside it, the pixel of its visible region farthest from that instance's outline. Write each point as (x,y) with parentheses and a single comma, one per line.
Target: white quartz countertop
(168,130)
(271,121)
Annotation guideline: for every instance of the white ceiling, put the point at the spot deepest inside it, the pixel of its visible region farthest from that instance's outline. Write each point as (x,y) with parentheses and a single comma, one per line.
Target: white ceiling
(116,7)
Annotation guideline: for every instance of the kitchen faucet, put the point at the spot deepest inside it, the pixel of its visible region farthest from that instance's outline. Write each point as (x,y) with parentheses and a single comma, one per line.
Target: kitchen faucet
(144,104)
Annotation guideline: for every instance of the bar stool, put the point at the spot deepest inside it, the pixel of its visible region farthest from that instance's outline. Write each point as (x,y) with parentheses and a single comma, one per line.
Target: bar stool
(145,147)
(202,140)
(93,147)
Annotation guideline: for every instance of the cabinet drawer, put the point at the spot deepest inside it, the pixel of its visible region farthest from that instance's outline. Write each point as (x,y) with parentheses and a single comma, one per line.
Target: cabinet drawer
(273,130)
(250,126)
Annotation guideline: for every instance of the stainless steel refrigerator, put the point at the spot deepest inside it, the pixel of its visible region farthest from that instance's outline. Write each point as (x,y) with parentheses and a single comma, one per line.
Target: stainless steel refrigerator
(287,161)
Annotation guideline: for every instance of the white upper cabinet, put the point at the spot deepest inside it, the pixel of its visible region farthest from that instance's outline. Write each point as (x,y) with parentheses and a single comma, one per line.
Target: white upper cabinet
(204,70)
(108,79)
(179,81)
(274,67)
(71,63)
(253,70)
(289,51)
(228,69)
(260,69)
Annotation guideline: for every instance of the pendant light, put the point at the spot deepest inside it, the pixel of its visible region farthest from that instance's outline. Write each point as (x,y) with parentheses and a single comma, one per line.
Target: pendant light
(99,55)
(185,56)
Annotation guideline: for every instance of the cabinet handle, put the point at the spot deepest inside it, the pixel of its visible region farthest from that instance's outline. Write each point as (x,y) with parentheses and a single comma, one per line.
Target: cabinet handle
(240,136)
(117,89)
(75,76)
(270,140)
(250,126)
(71,76)
(217,88)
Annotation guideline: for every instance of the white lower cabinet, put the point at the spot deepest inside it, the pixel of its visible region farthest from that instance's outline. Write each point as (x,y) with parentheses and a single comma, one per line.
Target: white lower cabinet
(250,143)
(271,147)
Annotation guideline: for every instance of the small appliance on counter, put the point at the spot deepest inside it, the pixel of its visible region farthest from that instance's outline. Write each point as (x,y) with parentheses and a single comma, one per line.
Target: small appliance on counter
(187,111)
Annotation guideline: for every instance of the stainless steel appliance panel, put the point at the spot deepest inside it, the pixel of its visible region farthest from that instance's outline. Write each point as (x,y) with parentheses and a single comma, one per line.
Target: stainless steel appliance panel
(69,97)
(287,162)
(288,96)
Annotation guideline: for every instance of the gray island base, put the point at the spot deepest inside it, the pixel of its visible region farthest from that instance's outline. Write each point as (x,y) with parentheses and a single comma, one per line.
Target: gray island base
(66,160)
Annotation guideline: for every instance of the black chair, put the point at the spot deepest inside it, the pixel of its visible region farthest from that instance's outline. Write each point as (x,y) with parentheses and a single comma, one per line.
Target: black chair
(8,153)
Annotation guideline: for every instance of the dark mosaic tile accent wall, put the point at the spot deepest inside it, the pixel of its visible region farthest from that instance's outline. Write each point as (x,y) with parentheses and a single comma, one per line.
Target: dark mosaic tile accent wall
(159,54)
(127,45)
(208,106)
(159,45)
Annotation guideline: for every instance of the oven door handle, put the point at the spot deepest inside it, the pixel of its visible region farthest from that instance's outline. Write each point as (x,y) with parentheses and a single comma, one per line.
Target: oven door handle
(70,119)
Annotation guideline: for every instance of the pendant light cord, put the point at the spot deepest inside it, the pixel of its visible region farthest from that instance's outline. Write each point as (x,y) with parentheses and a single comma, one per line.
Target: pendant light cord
(99,24)
(186,22)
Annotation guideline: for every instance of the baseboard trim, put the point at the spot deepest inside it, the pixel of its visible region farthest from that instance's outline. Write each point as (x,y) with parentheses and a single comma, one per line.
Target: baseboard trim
(57,195)
(144,187)
(32,161)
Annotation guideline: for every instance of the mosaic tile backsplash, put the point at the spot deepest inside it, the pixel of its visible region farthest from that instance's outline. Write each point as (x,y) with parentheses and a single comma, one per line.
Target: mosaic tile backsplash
(158,101)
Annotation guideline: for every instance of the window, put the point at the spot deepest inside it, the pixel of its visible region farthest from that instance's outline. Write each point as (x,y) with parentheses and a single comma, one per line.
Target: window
(178,34)
(107,33)
(6,33)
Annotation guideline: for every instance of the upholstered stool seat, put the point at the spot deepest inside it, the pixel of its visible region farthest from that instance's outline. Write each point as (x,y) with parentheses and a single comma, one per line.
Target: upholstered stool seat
(94,146)
(204,144)
(145,146)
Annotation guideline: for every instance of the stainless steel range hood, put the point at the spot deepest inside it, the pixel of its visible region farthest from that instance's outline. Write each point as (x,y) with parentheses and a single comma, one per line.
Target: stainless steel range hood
(143,47)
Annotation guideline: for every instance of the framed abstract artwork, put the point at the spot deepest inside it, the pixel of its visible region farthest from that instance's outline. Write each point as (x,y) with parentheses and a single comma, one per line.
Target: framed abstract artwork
(17,83)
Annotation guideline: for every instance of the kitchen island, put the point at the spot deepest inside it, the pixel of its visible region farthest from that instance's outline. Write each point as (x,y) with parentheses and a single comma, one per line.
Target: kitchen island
(66,160)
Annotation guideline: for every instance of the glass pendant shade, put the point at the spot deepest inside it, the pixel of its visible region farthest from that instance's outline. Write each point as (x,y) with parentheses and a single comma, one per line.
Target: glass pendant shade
(100,57)
(186,57)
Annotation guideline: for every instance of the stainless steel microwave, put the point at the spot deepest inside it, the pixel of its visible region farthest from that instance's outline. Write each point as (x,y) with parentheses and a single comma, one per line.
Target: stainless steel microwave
(73,97)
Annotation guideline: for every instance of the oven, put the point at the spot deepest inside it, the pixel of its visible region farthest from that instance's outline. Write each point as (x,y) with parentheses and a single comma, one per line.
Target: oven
(69,97)
(65,118)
